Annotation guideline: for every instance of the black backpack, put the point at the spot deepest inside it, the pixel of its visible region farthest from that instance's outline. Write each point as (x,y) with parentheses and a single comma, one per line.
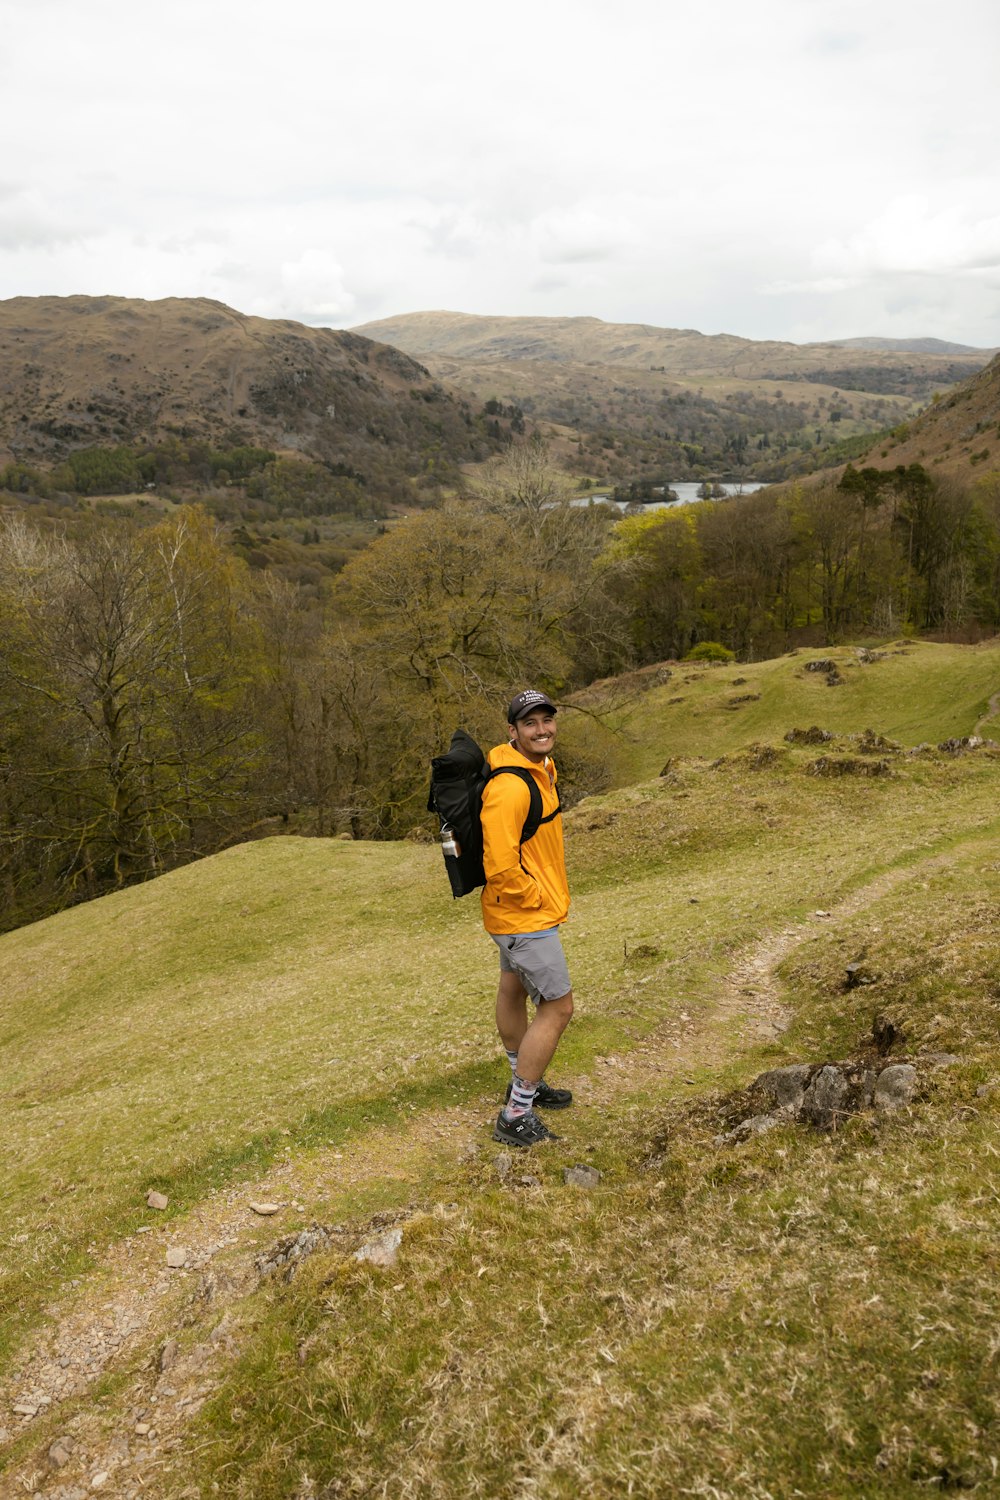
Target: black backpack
(457,781)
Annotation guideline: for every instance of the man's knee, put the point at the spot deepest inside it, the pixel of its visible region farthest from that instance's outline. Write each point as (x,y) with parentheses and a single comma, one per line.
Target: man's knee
(561,1009)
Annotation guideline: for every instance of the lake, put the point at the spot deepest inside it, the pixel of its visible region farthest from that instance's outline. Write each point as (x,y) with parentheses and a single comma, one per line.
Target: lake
(686,493)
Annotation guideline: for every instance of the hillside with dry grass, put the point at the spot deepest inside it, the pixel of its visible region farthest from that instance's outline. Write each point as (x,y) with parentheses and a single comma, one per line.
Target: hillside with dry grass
(258,1243)
(634,400)
(958,434)
(79,372)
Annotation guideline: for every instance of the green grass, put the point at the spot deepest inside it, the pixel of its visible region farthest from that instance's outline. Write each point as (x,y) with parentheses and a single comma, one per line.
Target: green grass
(918,691)
(801,1314)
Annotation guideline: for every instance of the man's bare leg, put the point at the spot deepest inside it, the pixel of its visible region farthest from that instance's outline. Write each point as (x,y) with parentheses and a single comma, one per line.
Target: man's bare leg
(541,1039)
(512,1010)
(535,1044)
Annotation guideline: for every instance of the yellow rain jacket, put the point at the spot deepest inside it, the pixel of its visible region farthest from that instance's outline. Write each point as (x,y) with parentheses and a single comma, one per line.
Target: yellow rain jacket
(526,889)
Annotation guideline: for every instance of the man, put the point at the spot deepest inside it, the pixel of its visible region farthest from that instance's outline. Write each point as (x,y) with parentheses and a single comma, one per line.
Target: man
(525,899)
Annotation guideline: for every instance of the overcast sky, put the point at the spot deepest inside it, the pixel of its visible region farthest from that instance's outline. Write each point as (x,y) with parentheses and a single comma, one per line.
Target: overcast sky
(793,169)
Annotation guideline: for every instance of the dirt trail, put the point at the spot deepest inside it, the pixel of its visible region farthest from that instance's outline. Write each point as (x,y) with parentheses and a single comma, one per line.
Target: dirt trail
(992,710)
(167,1332)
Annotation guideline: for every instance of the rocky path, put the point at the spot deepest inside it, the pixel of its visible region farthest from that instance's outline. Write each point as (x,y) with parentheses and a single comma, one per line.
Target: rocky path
(164,1332)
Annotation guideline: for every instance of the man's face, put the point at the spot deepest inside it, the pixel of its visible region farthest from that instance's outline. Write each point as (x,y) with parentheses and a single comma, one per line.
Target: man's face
(534,734)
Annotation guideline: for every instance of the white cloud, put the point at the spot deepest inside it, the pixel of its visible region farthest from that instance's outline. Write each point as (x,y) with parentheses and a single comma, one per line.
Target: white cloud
(756,170)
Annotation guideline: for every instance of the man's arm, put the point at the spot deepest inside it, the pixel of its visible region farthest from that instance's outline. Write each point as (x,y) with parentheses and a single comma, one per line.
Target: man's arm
(506,800)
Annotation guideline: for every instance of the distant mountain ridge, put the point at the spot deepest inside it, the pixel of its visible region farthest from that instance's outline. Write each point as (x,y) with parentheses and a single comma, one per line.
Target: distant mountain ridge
(914,346)
(79,371)
(681,351)
(636,402)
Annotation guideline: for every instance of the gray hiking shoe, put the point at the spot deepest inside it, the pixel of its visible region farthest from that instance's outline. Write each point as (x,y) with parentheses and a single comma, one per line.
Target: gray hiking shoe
(526,1130)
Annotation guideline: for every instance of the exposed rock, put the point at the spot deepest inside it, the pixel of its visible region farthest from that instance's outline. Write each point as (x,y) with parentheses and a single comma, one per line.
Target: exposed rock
(382,1251)
(265,1209)
(941,1059)
(826,1096)
(811,736)
(291,1250)
(897,1084)
(786,1086)
(156,1200)
(822,1095)
(866,657)
(100,1480)
(167,1357)
(847,765)
(25,1408)
(581,1176)
(821,664)
(968,742)
(529,1181)
(61,1451)
(857,973)
(177,1256)
(504,1167)
(871,743)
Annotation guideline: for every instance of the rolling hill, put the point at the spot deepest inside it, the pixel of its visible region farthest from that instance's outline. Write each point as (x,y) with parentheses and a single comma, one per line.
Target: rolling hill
(292,1042)
(635,400)
(85,371)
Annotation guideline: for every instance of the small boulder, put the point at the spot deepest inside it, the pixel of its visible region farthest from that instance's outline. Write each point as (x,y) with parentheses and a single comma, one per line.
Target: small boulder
(61,1451)
(177,1257)
(786,1086)
(581,1176)
(826,1097)
(382,1251)
(156,1200)
(265,1209)
(167,1357)
(896,1086)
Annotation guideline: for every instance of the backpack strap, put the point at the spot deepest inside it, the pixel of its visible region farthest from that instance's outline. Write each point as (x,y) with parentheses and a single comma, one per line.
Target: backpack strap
(535,819)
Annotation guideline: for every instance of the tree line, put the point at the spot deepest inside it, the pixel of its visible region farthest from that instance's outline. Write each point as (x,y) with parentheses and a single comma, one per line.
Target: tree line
(159,699)
(875,553)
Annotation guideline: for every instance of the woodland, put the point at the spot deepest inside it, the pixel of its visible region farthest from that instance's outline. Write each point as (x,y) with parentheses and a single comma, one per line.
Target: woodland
(161,696)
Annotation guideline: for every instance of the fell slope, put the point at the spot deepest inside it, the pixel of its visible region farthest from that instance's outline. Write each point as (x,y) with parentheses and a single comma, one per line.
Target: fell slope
(634,400)
(81,371)
(306,1024)
(959,434)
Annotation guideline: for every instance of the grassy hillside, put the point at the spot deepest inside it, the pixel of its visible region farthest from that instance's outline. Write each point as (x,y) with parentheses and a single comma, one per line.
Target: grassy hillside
(912,691)
(307,1023)
(959,434)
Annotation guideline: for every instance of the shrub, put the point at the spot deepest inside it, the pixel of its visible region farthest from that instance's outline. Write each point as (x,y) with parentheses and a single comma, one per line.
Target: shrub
(710,651)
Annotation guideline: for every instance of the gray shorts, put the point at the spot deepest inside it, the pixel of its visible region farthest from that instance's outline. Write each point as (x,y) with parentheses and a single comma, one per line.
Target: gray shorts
(538,960)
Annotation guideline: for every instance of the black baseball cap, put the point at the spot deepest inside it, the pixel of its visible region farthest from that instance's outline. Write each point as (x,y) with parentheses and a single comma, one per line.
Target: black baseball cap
(524,702)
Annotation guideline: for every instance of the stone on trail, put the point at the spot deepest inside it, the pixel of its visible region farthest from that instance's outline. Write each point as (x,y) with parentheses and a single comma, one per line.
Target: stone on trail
(167,1357)
(156,1200)
(177,1257)
(265,1209)
(581,1176)
(60,1452)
